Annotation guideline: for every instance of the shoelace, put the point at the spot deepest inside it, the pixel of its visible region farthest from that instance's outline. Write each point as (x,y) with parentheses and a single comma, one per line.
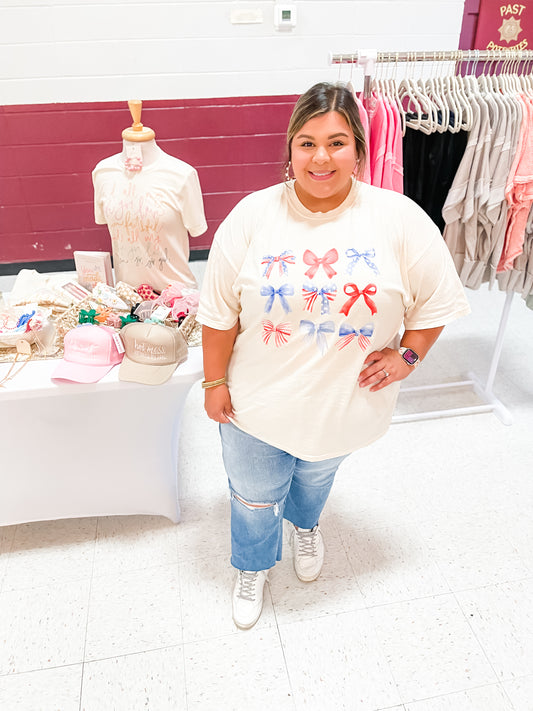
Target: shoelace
(247,581)
(307,541)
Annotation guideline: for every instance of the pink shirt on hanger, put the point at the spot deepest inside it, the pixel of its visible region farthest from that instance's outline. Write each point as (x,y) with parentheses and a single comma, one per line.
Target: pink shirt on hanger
(392,178)
(519,189)
(378,138)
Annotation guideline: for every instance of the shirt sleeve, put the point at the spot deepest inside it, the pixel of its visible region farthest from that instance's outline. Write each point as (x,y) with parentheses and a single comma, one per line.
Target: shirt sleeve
(436,296)
(219,305)
(192,206)
(99,216)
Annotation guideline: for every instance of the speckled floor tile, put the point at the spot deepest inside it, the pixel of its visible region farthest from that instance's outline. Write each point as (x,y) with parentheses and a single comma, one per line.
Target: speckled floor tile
(245,671)
(501,617)
(393,564)
(485,698)
(134,611)
(45,690)
(338,663)
(472,551)
(335,590)
(206,588)
(137,682)
(520,691)
(204,529)
(430,647)
(49,552)
(43,627)
(134,542)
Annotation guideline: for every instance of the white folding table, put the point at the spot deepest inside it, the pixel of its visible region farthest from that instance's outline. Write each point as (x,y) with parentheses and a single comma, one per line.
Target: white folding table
(70,450)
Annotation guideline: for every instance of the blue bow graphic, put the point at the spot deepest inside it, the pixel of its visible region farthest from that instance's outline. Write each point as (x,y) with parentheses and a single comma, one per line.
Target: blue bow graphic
(282,292)
(320,331)
(367,257)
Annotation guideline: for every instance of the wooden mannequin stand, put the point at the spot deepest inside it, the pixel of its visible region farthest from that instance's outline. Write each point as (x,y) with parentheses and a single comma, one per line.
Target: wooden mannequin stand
(137,132)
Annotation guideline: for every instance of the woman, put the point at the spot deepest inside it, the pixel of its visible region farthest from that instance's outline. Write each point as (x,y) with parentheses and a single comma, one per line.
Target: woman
(307,287)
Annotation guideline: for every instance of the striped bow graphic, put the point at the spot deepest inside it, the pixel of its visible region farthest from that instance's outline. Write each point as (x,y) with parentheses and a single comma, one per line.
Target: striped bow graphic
(326,293)
(281,260)
(347,335)
(281,332)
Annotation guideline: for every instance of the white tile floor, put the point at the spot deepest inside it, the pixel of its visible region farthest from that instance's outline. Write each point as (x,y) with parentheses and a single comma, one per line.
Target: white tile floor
(424,603)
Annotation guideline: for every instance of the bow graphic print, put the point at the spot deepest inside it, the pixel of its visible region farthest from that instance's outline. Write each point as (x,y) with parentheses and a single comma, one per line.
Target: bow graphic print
(347,334)
(320,331)
(367,257)
(286,257)
(353,292)
(281,332)
(326,261)
(311,293)
(283,291)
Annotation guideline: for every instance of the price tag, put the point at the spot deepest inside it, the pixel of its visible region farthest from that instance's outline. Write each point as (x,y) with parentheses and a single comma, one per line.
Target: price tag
(134,157)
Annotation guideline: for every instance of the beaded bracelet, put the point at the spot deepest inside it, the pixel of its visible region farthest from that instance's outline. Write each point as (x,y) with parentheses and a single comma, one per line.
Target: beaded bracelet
(213,383)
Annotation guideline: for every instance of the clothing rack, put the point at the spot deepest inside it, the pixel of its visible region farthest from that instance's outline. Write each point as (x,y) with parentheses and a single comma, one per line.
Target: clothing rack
(490,403)
(367,58)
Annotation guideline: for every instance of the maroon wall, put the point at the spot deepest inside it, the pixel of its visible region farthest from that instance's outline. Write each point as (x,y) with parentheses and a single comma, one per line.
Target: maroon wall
(47,153)
(468,28)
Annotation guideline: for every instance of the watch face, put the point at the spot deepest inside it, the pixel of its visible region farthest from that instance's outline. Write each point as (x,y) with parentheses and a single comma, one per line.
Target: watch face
(410,356)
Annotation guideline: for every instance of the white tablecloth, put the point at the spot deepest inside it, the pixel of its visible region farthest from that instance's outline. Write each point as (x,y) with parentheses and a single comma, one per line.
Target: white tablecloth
(69,450)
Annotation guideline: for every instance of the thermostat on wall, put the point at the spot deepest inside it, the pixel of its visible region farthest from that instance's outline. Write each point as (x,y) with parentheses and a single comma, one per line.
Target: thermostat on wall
(284,15)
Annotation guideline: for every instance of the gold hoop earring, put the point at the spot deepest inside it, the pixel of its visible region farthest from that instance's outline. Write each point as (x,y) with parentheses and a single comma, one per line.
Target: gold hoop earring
(287,173)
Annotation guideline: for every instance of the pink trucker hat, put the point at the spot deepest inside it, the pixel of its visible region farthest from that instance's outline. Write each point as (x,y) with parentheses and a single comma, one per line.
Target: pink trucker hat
(90,353)
(153,352)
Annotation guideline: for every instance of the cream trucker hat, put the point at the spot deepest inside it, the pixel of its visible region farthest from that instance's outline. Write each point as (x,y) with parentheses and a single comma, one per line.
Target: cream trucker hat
(152,353)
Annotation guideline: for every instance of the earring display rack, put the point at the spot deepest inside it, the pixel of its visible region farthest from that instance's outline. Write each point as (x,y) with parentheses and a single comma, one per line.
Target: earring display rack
(368,58)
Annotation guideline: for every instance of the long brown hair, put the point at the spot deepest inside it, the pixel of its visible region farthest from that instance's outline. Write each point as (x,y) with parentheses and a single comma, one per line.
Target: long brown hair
(321,99)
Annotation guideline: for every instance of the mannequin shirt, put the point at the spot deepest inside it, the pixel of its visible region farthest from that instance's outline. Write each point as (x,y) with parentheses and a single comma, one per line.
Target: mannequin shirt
(314,294)
(148,214)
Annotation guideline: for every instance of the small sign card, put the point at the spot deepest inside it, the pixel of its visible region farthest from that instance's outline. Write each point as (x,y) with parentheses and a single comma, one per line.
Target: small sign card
(93,267)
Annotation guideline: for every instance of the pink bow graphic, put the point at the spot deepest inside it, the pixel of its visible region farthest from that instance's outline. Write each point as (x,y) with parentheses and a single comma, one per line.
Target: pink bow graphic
(281,332)
(326,261)
(353,292)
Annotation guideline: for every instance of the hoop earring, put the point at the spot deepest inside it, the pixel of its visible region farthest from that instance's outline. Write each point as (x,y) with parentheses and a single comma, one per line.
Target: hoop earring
(287,173)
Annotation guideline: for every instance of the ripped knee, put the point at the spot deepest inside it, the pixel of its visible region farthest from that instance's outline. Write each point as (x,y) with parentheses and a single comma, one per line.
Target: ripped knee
(256,505)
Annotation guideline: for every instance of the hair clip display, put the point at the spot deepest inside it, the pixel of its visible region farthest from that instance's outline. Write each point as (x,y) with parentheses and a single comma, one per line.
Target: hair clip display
(88,316)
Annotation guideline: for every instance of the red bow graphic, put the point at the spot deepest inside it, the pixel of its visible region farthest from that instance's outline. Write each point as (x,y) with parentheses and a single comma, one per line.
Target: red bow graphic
(326,261)
(353,292)
(282,332)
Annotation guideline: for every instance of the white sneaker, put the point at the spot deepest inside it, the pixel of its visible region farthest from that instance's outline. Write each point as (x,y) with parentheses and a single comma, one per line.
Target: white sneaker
(248,597)
(308,550)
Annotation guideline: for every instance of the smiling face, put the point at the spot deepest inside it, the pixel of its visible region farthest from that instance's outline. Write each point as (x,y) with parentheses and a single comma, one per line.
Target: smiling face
(323,158)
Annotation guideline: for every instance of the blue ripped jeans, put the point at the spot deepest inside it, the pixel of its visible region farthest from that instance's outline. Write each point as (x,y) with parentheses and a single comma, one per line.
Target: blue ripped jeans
(266,486)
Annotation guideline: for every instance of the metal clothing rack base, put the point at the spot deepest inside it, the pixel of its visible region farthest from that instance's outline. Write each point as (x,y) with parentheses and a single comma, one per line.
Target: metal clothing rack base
(490,403)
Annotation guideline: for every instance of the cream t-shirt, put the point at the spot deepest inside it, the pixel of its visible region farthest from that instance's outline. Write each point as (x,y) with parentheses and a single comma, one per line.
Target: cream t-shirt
(314,294)
(150,214)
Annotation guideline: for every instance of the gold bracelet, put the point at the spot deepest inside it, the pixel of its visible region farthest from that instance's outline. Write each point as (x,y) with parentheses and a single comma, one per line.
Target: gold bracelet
(213,383)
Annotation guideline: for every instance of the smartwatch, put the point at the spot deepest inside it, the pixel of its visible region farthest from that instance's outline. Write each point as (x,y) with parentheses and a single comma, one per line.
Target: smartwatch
(410,357)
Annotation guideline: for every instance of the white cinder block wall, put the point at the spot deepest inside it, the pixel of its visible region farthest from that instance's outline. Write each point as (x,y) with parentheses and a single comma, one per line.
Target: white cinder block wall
(84,51)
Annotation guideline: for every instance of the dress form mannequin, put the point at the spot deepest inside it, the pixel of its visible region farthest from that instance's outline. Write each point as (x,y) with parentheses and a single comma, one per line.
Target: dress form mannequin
(151,203)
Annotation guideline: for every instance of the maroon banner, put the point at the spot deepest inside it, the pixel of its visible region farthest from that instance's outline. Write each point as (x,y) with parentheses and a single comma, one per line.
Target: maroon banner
(504,25)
